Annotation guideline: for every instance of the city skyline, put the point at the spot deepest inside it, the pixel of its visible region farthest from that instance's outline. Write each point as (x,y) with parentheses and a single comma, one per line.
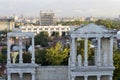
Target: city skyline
(62,8)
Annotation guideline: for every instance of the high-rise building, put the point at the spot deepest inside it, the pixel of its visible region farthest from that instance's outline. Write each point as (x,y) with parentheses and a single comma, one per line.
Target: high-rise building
(46,18)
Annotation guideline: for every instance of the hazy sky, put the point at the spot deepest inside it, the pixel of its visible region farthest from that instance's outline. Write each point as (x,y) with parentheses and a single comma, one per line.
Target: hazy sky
(97,8)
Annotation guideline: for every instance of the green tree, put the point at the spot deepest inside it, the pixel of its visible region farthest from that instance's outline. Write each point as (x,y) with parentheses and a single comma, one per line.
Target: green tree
(3,58)
(107,23)
(56,55)
(4,50)
(40,57)
(26,57)
(42,39)
(80,49)
(117,65)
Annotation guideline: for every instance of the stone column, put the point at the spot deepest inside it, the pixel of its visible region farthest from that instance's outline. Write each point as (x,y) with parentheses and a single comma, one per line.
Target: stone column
(86,52)
(99,52)
(95,56)
(98,77)
(72,77)
(20,50)
(110,77)
(8,50)
(21,76)
(33,76)
(33,52)
(79,60)
(85,77)
(73,52)
(111,51)
(9,76)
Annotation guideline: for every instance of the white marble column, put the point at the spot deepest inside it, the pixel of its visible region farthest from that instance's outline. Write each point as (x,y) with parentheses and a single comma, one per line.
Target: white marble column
(21,76)
(33,76)
(111,51)
(86,52)
(20,50)
(73,52)
(9,76)
(72,77)
(95,56)
(99,52)
(33,52)
(98,77)
(85,77)
(8,50)
(79,60)
(110,77)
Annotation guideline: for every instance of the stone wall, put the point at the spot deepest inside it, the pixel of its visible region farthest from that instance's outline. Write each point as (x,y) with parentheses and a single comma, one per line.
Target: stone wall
(52,73)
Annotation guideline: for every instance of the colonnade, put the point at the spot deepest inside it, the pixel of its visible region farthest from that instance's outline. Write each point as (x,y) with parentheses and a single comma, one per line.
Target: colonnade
(98,53)
(20,51)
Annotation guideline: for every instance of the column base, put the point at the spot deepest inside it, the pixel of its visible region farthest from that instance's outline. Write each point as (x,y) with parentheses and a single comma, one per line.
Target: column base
(86,63)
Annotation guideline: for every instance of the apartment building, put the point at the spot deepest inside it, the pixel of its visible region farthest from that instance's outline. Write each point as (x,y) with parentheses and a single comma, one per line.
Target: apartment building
(50,29)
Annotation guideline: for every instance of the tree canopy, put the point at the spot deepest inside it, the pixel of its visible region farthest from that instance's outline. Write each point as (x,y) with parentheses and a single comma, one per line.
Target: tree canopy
(56,55)
(42,39)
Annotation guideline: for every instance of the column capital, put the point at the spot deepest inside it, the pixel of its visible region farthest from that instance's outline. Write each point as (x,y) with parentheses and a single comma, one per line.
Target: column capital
(73,37)
(85,75)
(33,73)
(20,73)
(98,75)
(86,37)
(110,75)
(111,37)
(98,37)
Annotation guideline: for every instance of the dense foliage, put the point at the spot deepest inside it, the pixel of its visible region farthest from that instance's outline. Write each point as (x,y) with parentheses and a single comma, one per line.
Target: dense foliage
(42,39)
(117,65)
(114,24)
(56,55)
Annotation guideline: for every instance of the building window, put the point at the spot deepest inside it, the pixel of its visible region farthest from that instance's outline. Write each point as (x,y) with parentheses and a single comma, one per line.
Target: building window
(29,28)
(35,28)
(51,28)
(24,29)
(67,28)
(46,28)
(57,28)
(63,29)
(40,29)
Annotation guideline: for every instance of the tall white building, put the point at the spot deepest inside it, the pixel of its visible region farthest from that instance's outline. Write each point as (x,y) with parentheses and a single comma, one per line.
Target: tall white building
(46,18)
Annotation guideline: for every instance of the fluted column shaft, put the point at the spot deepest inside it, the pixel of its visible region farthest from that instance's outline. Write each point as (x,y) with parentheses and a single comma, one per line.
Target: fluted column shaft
(20,50)
(86,52)
(73,52)
(33,76)
(111,51)
(8,50)
(33,51)
(99,52)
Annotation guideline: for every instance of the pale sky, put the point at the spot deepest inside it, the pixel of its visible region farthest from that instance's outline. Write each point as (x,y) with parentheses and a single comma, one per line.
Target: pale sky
(66,8)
